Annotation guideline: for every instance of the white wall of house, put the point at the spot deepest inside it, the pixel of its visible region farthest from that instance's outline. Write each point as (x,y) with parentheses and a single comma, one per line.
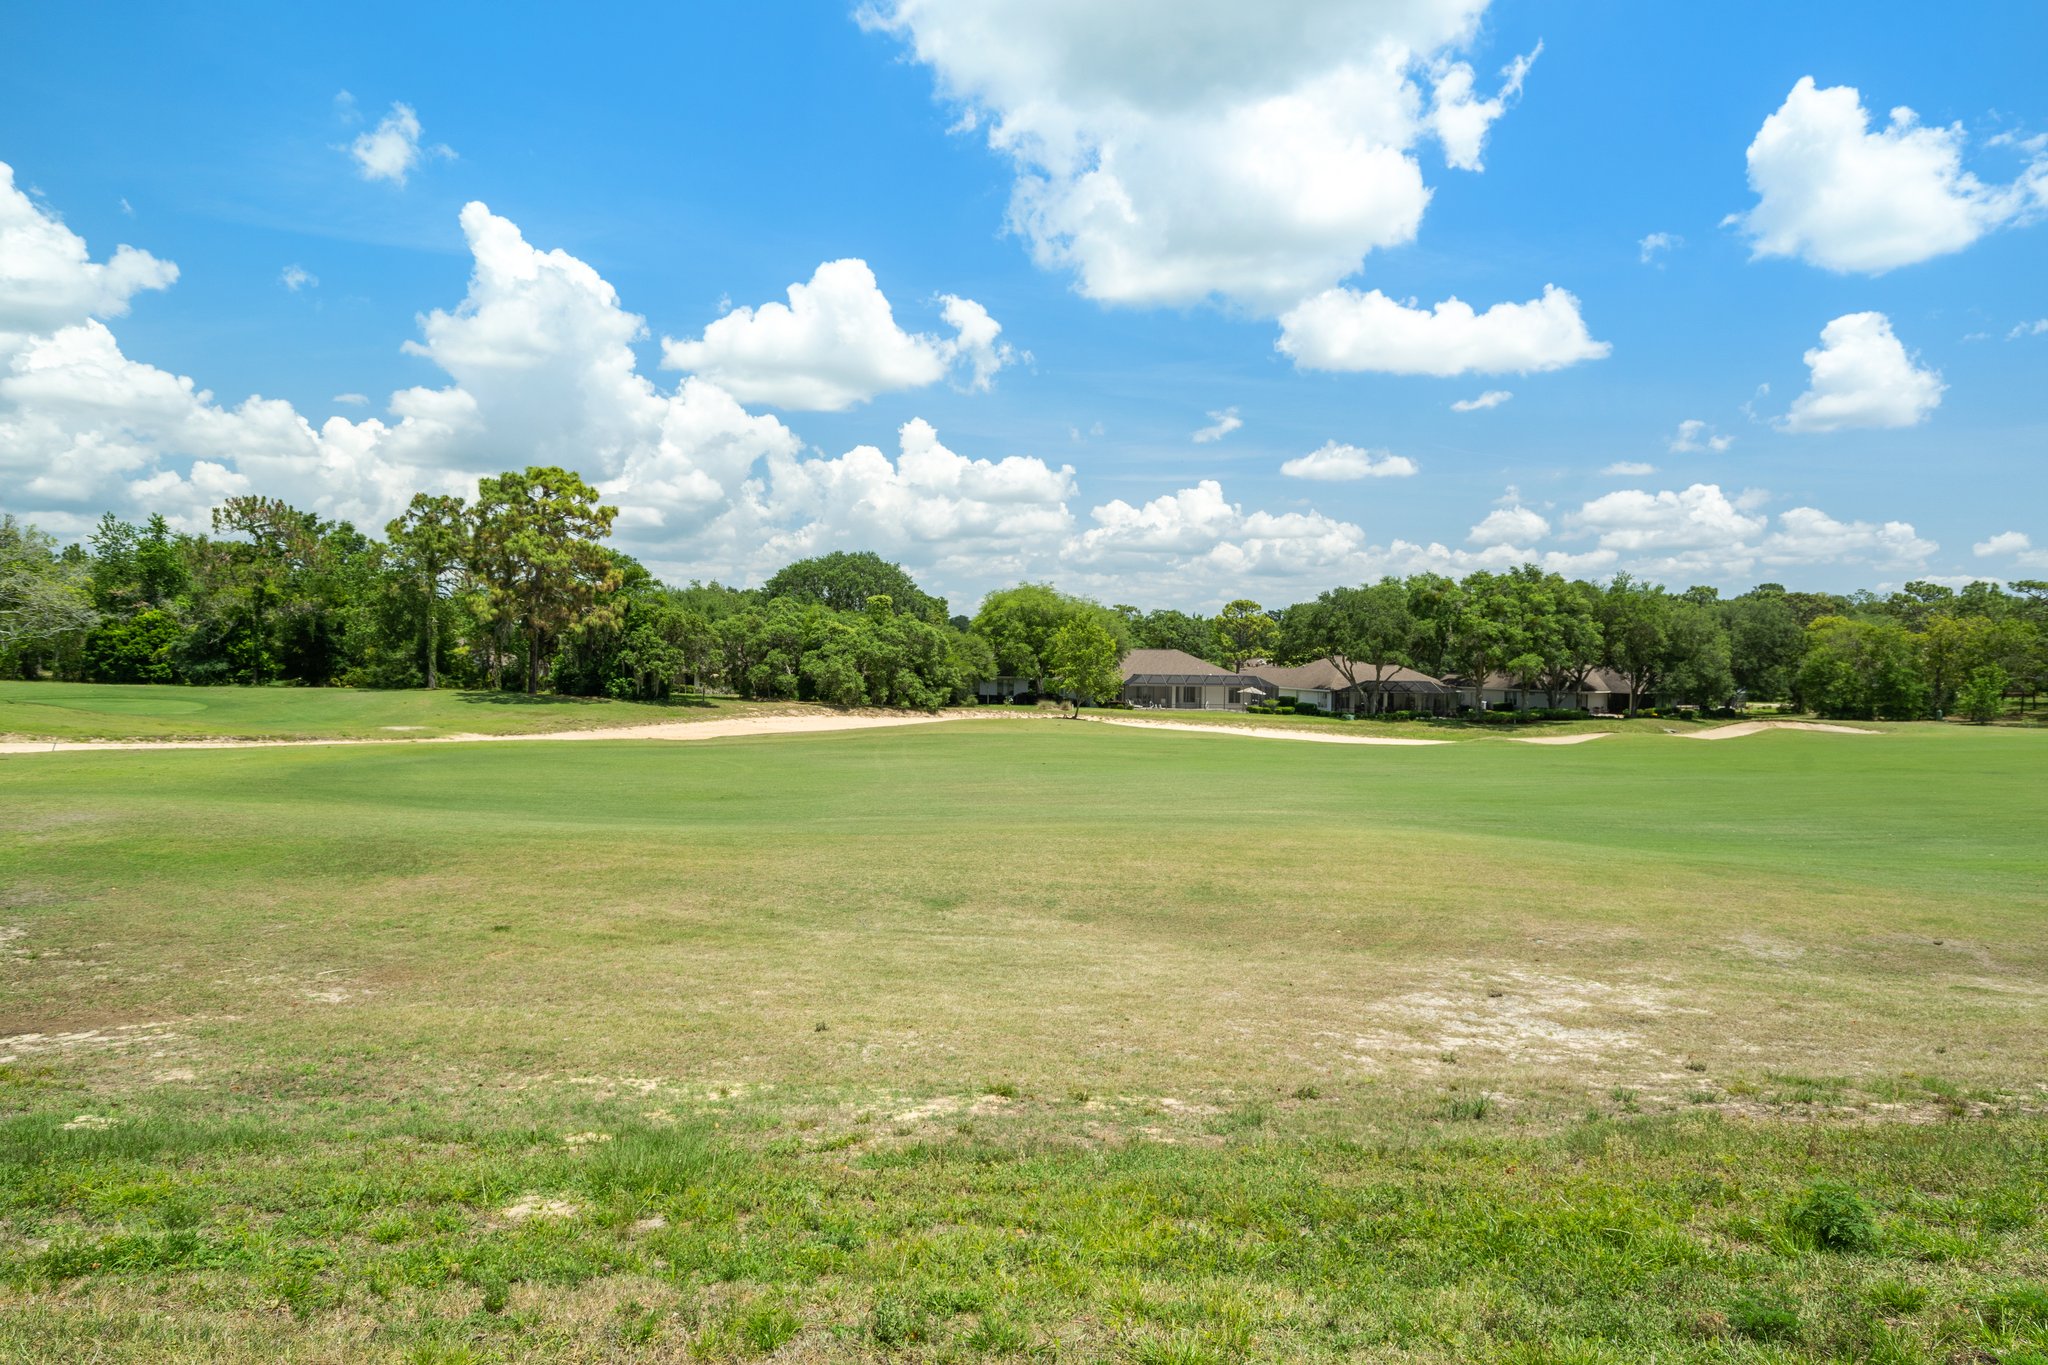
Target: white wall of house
(1319,696)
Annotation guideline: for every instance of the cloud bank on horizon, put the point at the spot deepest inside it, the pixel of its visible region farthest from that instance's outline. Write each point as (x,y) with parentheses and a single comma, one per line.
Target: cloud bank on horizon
(1246,166)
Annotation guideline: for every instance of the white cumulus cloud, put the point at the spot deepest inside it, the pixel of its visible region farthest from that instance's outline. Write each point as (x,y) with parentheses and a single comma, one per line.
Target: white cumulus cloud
(391,151)
(1837,195)
(1694,435)
(1630,468)
(2016,545)
(1342,329)
(1492,398)
(1170,151)
(537,365)
(1862,376)
(1515,525)
(1700,534)
(1221,424)
(836,343)
(49,280)
(1334,462)
(297,277)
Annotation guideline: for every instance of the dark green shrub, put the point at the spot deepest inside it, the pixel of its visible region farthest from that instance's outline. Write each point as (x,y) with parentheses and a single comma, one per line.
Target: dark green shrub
(1833,1217)
(1307,708)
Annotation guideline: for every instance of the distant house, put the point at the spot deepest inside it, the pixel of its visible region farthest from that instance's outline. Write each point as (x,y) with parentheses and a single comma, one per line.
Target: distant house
(1604,692)
(1005,687)
(1322,683)
(1176,679)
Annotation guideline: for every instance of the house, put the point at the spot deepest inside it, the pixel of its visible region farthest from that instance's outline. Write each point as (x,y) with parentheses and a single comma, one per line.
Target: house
(1603,692)
(1322,683)
(1174,678)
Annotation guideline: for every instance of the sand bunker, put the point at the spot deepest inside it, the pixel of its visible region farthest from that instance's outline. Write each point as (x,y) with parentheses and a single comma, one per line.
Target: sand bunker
(1266,732)
(680,729)
(1757,727)
(1560,739)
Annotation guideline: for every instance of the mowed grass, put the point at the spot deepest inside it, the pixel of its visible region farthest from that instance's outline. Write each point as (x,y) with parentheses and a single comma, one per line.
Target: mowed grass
(84,711)
(999,1040)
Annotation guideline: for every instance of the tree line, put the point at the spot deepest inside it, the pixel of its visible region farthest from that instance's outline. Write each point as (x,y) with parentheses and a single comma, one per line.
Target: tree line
(516,589)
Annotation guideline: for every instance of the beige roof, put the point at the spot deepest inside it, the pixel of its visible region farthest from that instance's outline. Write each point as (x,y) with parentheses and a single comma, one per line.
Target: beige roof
(1177,662)
(1321,674)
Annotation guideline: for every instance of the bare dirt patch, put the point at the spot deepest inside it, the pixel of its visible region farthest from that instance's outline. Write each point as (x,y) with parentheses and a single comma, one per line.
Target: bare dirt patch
(539,1206)
(1513,1016)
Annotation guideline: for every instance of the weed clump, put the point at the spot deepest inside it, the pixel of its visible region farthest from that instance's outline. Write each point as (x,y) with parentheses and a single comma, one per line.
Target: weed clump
(1468,1108)
(1764,1318)
(1833,1217)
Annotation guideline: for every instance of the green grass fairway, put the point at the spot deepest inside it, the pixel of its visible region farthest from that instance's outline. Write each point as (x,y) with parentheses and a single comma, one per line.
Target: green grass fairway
(993,1040)
(42,710)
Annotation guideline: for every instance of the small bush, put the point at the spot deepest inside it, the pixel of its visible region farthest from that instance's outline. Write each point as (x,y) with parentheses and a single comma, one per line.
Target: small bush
(1834,1217)
(895,1322)
(1763,1318)
(1307,708)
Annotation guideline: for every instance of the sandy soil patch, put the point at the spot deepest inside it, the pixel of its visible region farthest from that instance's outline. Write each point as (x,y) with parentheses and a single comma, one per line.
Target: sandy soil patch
(1517,1016)
(684,729)
(1266,732)
(1560,739)
(534,1206)
(1757,727)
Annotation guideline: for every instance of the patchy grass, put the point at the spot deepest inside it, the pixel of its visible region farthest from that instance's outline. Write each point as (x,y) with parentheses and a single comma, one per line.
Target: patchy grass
(990,1040)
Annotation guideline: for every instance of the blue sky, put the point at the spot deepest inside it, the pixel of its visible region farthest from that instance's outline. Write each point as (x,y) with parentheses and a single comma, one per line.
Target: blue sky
(1147,200)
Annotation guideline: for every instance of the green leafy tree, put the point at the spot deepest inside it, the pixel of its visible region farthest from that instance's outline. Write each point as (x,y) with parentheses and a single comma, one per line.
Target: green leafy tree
(844,581)
(1482,638)
(1699,665)
(1169,629)
(1766,638)
(142,648)
(1434,602)
(1244,630)
(538,535)
(1019,624)
(1983,697)
(1367,634)
(1636,621)
(1083,662)
(1861,669)
(427,544)
(46,606)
